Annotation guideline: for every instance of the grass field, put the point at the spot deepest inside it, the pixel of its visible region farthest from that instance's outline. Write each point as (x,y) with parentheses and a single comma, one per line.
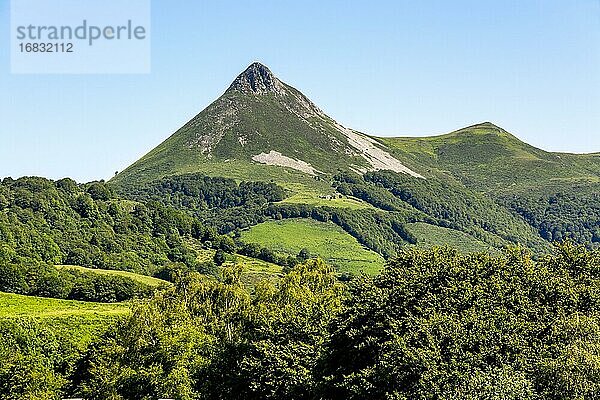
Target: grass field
(326,240)
(315,199)
(431,235)
(80,321)
(147,280)
(254,270)
(16,305)
(487,158)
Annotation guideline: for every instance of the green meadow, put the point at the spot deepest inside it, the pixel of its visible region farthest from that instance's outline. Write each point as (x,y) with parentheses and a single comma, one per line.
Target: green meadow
(323,239)
(144,279)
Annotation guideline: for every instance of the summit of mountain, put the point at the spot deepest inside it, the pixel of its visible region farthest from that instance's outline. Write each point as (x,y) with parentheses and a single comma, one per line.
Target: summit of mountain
(263,127)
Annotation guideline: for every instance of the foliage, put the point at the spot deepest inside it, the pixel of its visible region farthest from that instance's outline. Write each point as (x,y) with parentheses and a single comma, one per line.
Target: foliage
(446,205)
(198,193)
(437,324)
(267,343)
(42,339)
(65,223)
(432,235)
(560,212)
(38,279)
(434,324)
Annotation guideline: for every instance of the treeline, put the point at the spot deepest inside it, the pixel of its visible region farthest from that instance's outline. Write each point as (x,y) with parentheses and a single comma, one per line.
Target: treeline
(45,223)
(228,206)
(39,279)
(383,232)
(434,324)
(198,193)
(65,223)
(441,203)
(564,212)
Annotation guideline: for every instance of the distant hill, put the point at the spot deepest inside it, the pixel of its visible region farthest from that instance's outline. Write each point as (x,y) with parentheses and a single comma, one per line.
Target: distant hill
(262,127)
(488,158)
(480,181)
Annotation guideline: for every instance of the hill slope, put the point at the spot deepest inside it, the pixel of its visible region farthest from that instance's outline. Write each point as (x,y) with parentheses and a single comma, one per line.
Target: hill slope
(487,158)
(262,129)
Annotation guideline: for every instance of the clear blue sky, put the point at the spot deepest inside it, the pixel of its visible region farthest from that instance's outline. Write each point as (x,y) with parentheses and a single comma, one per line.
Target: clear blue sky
(402,68)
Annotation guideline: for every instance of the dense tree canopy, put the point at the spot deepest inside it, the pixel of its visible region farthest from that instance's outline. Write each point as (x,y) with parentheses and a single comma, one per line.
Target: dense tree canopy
(434,324)
(442,203)
(212,339)
(43,280)
(65,223)
(198,193)
(437,324)
(559,213)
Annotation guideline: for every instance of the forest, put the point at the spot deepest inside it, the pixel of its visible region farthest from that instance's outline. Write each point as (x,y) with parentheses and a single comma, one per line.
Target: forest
(435,323)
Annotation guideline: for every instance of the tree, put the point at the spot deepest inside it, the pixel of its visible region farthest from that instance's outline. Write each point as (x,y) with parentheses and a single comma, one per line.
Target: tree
(440,324)
(178,344)
(12,279)
(304,254)
(220,257)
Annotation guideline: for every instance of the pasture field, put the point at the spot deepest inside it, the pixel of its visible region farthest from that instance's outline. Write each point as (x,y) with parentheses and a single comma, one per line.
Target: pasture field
(144,279)
(254,270)
(16,305)
(431,235)
(80,321)
(324,239)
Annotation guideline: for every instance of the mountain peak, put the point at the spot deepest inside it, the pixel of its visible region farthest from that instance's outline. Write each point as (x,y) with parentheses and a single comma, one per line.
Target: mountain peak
(257,79)
(489,125)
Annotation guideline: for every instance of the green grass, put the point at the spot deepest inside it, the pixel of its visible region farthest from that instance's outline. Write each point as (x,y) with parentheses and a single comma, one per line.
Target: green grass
(488,159)
(254,270)
(80,321)
(326,240)
(300,195)
(254,265)
(264,123)
(202,254)
(251,264)
(430,235)
(147,280)
(16,305)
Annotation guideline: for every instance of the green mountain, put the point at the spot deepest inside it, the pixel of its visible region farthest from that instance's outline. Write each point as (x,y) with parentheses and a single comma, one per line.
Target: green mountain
(262,127)
(479,186)
(487,158)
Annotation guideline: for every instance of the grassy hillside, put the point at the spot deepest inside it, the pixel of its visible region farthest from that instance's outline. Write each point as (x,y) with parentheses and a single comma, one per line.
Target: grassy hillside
(431,235)
(16,305)
(227,138)
(253,269)
(330,199)
(487,158)
(147,280)
(79,321)
(264,130)
(556,193)
(326,240)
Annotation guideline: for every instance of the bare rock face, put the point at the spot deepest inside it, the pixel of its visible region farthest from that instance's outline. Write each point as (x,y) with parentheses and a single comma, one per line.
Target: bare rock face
(257,79)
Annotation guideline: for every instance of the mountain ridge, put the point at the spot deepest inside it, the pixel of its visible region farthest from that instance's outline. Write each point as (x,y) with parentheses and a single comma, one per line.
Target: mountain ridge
(261,124)
(478,180)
